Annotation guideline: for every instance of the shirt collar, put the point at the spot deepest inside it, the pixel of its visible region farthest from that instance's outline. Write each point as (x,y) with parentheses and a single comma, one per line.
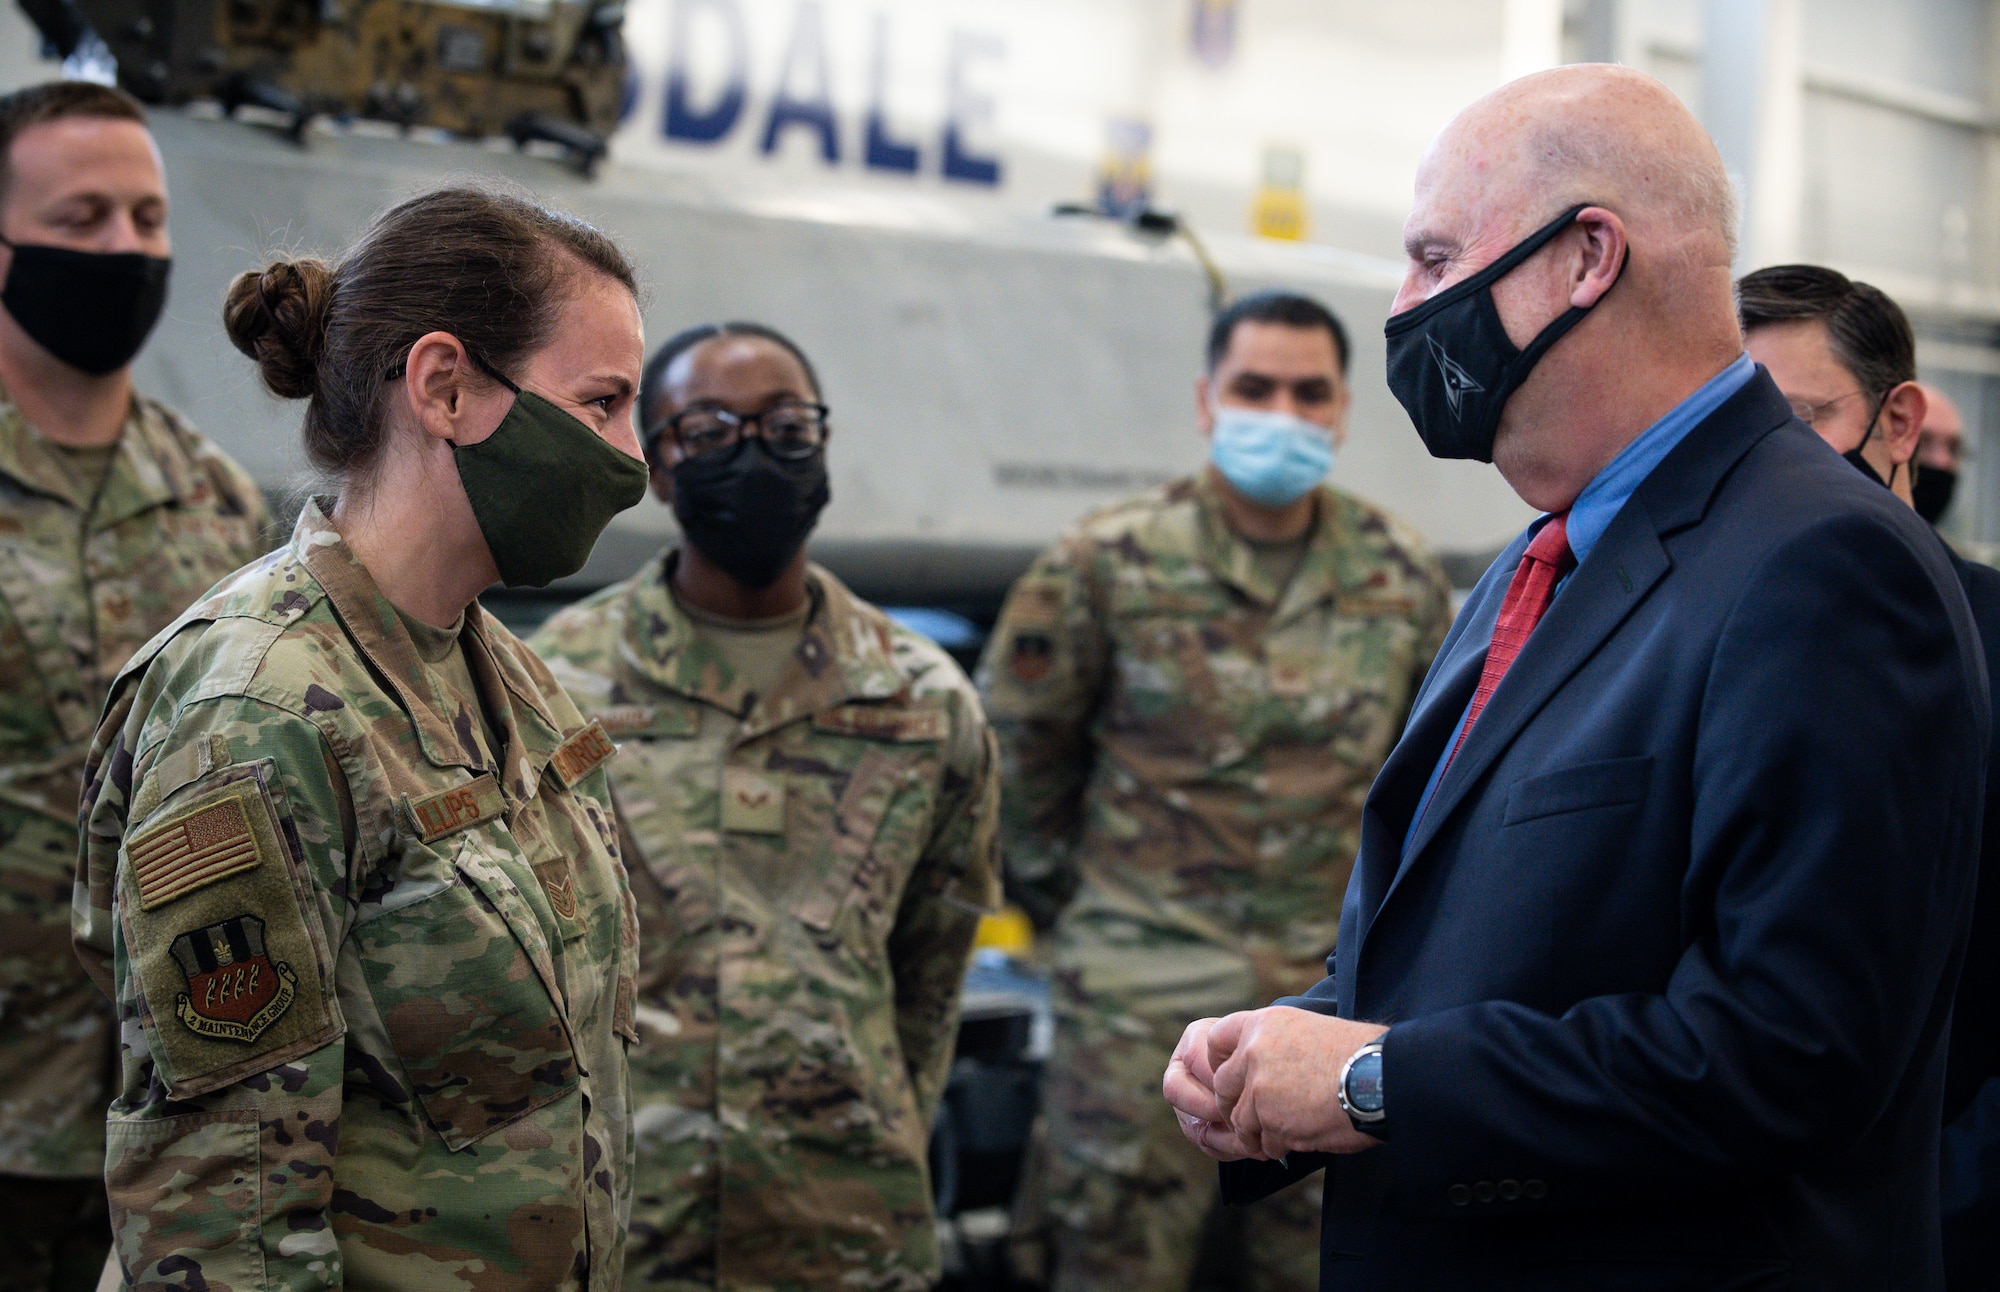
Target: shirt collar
(528,731)
(1607,493)
(843,654)
(1332,562)
(147,470)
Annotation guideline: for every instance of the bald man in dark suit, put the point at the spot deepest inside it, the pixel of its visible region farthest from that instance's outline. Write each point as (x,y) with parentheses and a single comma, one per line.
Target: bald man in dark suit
(1645,971)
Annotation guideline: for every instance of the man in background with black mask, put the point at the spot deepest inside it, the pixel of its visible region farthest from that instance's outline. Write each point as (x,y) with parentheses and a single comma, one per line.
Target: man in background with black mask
(1939,451)
(1646,968)
(114,516)
(1821,335)
(808,794)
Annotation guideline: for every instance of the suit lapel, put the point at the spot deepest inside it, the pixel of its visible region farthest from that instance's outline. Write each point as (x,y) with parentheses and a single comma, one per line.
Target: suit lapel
(1622,569)
(1434,717)
(1385,820)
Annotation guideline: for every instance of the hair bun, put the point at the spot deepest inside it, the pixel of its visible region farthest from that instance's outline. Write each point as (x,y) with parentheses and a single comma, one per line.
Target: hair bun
(278,317)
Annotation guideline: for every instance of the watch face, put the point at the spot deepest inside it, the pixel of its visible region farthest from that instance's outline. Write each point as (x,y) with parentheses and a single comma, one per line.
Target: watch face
(1364,1083)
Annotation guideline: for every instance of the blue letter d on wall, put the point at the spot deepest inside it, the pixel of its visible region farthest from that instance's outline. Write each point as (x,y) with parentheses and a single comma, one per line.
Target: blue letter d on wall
(686,121)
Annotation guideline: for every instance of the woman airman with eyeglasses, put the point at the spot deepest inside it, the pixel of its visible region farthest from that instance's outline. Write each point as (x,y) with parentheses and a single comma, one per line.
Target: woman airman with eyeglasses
(807,791)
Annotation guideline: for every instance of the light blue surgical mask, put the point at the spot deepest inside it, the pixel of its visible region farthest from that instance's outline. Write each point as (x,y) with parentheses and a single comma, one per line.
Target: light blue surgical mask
(1272,458)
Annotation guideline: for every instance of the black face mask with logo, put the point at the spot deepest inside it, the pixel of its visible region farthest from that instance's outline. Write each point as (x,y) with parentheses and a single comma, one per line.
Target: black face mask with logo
(90,309)
(1452,364)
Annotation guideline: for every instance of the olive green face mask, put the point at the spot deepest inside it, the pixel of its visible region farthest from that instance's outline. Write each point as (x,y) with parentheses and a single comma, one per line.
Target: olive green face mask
(543,486)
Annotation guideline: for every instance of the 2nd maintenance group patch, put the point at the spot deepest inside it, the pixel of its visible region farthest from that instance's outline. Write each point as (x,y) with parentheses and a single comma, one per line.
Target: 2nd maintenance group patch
(234,990)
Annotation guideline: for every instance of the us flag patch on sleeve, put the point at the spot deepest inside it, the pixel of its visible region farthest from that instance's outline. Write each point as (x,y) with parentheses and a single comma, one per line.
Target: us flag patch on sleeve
(190,852)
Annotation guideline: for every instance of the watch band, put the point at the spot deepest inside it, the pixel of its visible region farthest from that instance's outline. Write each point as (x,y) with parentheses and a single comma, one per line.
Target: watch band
(1362,1118)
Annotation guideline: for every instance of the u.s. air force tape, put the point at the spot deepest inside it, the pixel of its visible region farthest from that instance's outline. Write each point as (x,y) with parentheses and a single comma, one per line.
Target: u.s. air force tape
(582,754)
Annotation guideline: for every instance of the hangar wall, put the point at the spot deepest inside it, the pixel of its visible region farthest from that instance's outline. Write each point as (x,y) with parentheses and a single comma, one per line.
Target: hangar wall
(1864,135)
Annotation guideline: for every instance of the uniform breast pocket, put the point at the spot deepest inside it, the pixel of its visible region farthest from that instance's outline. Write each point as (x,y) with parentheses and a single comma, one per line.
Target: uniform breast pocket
(874,841)
(1166,683)
(1353,674)
(463,980)
(33,661)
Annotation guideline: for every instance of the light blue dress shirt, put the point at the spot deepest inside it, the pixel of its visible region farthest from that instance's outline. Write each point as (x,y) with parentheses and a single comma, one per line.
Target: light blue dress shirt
(1606,495)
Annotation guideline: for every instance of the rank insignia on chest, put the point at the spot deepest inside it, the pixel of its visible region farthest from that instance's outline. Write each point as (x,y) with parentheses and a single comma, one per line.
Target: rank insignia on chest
(1031,657)
(234,989)
(1291,675)
(752,804)
(559,884)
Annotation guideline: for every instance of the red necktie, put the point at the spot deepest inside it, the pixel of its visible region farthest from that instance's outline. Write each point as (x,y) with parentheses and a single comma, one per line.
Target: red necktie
(1527,600)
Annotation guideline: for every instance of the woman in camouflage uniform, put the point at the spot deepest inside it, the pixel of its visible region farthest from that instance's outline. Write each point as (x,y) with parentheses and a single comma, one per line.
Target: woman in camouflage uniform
(349,870)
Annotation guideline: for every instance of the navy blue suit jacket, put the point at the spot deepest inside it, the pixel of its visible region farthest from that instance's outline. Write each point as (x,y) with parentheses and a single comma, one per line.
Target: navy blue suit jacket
(1669,959)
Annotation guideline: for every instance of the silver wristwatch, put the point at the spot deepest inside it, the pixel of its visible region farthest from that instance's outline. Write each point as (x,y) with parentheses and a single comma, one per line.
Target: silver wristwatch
(1361,1086)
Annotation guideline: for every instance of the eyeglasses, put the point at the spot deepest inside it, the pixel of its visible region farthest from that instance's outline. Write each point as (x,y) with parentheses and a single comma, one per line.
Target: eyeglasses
(791,430)
(1811,413)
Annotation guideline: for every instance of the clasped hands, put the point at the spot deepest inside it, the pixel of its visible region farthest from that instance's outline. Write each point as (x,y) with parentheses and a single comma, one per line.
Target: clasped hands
(1265,1082)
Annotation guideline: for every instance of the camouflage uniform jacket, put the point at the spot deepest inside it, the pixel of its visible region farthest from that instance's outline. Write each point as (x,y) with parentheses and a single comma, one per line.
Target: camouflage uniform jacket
(1193,744)
(84,581)
(373,979)
(809,866)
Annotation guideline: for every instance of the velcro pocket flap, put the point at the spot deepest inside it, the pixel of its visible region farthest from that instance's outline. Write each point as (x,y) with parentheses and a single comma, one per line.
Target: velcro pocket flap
(1611,783)
(466,989)
(220,925)
(871,787)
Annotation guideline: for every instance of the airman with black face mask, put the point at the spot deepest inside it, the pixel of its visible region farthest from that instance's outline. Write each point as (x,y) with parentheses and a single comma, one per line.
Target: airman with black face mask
(114,516)
(808,792)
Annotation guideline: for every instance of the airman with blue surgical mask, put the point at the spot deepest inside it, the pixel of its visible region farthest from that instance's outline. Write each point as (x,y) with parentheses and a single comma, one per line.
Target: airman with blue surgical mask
(1193,690)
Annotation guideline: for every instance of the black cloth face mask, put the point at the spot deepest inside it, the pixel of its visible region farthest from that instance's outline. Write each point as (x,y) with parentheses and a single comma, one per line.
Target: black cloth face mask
(748,510)
(90,309)
(1931,492)
(1451,364)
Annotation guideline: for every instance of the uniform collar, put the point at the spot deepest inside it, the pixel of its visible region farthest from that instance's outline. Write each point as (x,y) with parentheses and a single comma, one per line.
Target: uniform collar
(149,470)
(528,732)
(1333,563)
(842,655)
